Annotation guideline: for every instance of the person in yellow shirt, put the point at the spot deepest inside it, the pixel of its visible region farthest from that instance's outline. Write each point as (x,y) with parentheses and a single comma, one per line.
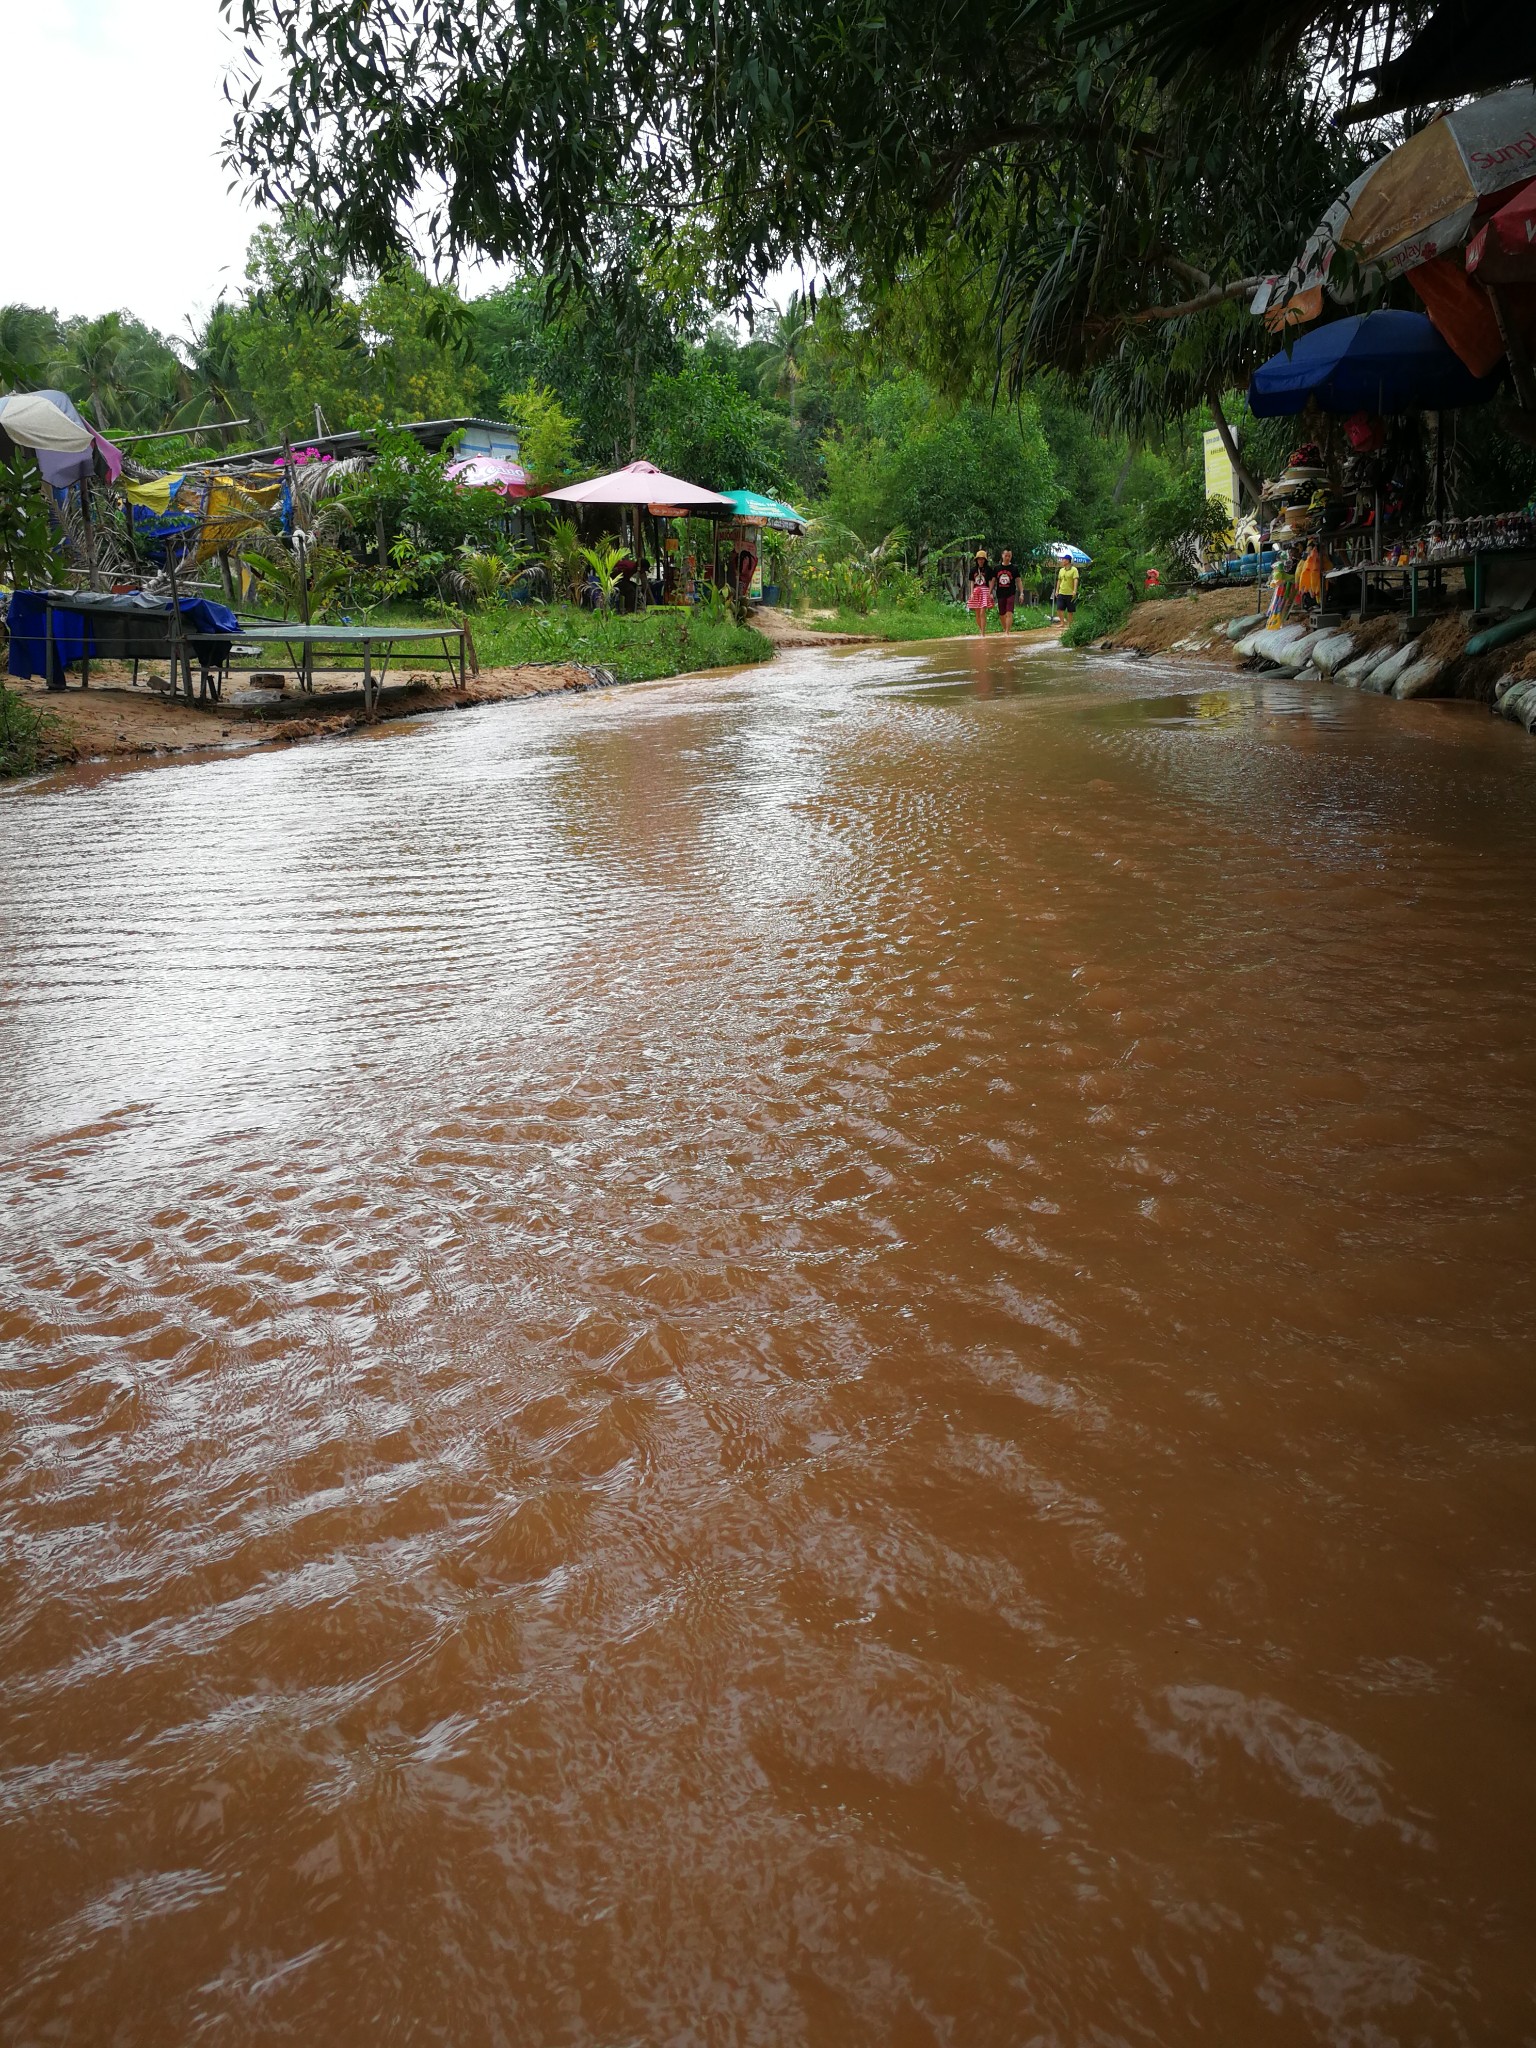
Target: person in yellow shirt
(1066,589)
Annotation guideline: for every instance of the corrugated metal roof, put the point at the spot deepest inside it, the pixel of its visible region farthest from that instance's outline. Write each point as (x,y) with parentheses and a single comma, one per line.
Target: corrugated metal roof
(430,433)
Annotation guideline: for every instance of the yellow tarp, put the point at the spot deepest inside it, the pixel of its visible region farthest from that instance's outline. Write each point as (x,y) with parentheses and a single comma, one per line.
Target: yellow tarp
(226,506)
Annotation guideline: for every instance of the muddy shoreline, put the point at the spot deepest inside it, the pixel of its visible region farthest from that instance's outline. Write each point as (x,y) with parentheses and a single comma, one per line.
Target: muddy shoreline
(116,721)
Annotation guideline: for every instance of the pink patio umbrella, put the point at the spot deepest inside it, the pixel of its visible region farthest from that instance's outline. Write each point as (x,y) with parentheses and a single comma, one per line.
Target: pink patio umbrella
(642,485)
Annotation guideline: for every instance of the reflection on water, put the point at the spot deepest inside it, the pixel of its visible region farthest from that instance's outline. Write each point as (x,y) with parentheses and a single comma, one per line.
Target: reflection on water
(834,1356)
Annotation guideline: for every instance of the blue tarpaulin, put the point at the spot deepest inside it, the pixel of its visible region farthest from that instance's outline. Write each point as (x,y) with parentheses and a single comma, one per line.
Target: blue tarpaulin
(1375,362)
(75,634)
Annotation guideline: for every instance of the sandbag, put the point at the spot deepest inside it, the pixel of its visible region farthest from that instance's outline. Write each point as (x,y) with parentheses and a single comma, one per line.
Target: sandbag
(1332,651)
(1355,672)
(1385,673)
(1238,629)
(1420,678)
(1299,653)
(1268,643)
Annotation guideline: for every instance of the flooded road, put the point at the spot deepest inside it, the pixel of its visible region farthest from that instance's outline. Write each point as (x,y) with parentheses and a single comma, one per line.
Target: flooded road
(838,1356)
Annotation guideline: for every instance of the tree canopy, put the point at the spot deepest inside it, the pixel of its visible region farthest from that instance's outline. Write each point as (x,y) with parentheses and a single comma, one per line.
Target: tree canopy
(1098,202)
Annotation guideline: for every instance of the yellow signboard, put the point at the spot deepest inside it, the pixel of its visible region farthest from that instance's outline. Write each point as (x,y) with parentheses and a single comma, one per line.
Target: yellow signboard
(1220,476)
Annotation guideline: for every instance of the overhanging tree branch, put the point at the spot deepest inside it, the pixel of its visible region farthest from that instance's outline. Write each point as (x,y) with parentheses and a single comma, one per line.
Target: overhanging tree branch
(1242,288)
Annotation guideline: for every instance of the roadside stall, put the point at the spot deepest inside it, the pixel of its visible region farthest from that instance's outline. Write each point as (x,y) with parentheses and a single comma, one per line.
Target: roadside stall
(1451,212)
(637,489)
(1350,499)
(756,513)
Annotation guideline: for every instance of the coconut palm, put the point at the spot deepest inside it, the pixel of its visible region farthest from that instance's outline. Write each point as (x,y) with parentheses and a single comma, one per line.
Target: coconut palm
(31,342)
(788,339)
(97,369)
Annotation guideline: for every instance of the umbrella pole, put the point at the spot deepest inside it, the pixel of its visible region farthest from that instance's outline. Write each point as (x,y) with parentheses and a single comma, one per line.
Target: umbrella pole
(1514,348)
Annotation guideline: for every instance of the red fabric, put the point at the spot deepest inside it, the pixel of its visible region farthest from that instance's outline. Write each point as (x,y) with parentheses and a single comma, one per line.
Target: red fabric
(1459,309)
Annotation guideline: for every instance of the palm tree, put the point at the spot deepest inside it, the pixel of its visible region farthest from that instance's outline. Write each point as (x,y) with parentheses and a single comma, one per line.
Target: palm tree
(788,342)
(213,355)
(95,366)
(30,341)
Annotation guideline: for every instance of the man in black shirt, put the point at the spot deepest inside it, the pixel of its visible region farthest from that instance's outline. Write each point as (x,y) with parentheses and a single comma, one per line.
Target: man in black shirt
(1005,589)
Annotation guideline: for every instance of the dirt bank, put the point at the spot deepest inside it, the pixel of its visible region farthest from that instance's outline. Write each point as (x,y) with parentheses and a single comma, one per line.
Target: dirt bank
(1423,657)
(116,718)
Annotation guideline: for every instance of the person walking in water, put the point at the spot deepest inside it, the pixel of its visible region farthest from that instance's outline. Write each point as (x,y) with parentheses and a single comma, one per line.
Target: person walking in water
(1066,589)
(980,599)
(1005,589)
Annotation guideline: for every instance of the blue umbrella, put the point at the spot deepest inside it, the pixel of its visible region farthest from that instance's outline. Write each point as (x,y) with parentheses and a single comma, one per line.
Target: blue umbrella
(1064,551)
(1375,362)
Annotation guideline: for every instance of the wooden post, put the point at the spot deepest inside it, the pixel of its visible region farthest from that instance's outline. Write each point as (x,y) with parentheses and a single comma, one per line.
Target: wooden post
(228,575)
(180,653)
(90,533)
(307,659)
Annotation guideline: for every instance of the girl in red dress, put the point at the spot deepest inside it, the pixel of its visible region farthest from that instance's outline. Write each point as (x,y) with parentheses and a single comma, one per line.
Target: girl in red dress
(980,599)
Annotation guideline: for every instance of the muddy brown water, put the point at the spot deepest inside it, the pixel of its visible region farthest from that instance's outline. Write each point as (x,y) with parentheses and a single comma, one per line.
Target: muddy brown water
(842,1355)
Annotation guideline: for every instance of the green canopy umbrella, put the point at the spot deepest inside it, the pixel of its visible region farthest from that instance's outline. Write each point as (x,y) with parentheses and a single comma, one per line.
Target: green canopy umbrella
(761,511)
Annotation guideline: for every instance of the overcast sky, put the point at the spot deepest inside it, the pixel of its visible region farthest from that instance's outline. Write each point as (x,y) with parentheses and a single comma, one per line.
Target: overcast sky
(118,158)
(118,196)
(127,204)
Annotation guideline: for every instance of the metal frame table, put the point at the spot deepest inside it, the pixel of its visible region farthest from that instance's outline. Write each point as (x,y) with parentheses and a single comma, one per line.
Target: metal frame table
(1431,566)
(1473,562)
(178,650)
(299,639)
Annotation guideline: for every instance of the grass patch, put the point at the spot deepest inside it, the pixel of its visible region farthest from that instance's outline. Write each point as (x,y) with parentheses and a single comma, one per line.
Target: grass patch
(637,647)
(23,732)
(1102,612)
(932,621)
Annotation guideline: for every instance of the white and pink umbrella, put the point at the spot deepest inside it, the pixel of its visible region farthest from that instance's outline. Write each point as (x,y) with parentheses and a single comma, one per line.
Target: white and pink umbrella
(643,484)
(491,473)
